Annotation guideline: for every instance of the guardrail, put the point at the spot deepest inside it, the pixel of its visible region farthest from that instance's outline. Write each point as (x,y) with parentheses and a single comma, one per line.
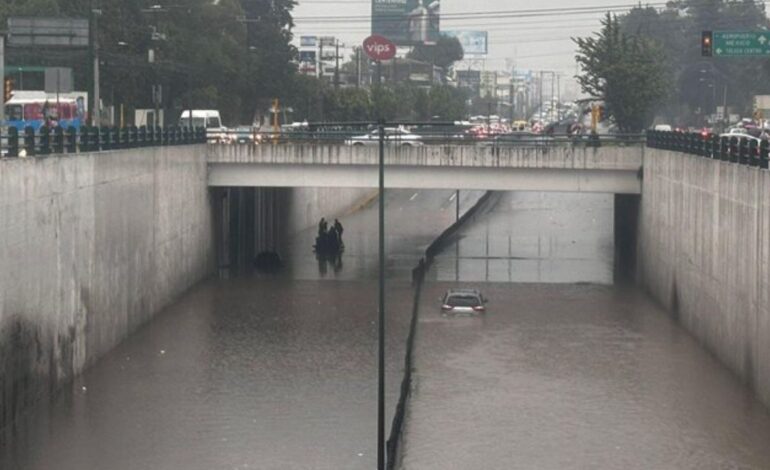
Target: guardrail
(421,136)
(59,140)
(735,149)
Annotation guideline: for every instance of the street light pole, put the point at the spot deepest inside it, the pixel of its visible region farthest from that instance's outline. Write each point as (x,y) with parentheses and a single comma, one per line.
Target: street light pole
(95,98)
(381,335)
(2,78)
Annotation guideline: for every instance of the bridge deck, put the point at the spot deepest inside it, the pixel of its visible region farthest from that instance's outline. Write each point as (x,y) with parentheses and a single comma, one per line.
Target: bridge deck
(612,169)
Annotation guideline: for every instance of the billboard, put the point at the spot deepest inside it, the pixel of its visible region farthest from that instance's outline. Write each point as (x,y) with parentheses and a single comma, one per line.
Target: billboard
(406,22)
(307,57)
(307,41)
(327,41)
(475,43)
(48,32)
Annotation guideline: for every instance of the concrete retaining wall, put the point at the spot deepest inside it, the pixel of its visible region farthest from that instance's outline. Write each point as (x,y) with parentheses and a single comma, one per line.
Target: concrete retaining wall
(308,205)
(704,252)
(91,246)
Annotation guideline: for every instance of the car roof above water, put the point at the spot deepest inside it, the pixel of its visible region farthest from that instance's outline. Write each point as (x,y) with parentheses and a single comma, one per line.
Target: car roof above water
(464,291)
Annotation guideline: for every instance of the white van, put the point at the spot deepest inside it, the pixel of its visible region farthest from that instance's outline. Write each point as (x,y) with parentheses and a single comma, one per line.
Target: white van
(208,118)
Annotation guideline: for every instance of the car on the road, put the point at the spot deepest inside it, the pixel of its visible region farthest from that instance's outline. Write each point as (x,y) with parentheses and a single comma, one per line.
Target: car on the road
(393,135)
(742,135)
(463,301)
(208,118)
(244,135)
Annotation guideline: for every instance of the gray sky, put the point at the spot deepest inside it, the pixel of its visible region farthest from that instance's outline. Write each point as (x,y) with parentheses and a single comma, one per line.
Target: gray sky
(535,42)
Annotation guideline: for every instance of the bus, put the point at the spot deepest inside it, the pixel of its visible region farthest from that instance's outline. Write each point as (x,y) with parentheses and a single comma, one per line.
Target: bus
(37,108)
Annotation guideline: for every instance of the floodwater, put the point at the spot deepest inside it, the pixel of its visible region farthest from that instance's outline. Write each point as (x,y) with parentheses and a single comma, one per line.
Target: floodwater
(259,372)
(576,373)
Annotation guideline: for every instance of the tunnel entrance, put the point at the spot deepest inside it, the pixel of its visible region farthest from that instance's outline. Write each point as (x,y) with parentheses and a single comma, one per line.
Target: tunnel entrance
(249,228)
(626,225)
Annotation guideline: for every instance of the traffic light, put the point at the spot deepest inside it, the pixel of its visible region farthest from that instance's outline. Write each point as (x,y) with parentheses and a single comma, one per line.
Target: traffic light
(7,90)
(706,44)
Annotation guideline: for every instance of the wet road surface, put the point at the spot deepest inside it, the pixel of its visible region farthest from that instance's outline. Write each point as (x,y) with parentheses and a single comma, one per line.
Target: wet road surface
(567,375)
(260,372)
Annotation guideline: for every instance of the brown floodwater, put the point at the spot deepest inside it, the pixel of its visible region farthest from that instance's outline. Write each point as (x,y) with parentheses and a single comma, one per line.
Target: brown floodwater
(565,370)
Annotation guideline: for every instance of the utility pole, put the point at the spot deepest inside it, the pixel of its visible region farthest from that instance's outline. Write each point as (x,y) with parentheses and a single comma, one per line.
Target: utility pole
(558,95)
(358,67)
(2,77)
(94,43)
(337,64)
(550,99)
(320,59)
(540,87)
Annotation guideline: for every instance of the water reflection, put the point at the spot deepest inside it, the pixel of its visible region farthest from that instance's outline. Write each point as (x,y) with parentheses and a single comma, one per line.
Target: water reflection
(534,237)
(326,261)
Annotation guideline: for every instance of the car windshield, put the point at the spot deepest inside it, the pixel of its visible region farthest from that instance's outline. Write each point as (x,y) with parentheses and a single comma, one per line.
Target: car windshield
(463,301)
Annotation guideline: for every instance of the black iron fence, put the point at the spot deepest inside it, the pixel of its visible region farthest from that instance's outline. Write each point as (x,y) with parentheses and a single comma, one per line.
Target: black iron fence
(741,149)
(58,140)
(415,136)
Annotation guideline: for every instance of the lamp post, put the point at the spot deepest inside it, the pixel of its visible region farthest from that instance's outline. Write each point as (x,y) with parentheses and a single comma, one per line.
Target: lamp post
(379,48)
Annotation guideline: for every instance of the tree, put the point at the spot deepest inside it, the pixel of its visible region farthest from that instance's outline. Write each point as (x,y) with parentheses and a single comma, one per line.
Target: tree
(700,84)
(204,50)
(444,53)
(625,72)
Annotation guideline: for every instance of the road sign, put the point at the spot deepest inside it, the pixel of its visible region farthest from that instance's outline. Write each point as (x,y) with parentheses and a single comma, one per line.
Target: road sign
(741,43)
(48,32)
(379,48)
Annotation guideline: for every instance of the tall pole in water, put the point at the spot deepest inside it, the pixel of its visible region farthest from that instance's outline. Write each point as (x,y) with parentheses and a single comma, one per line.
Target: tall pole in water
(381,328)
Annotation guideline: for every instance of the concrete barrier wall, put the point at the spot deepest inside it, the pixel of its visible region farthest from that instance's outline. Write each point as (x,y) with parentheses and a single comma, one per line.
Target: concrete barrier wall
(92,246)
(308,205)
(704,252)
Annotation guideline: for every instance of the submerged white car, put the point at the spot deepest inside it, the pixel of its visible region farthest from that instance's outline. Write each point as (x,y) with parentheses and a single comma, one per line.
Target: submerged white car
(398,136)
(463,301)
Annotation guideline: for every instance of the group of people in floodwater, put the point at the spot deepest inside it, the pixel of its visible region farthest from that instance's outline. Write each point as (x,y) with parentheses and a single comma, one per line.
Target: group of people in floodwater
(329,239)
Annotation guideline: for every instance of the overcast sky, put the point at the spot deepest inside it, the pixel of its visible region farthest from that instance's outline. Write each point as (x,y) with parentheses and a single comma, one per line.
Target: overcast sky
(538,42)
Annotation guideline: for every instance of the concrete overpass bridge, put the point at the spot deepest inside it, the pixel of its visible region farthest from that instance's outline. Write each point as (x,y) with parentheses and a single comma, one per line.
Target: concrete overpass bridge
(561,167)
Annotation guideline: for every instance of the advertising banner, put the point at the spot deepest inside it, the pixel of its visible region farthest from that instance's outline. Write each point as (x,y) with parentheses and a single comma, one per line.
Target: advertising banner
(406,22)
(307,57)
(475,43)
(307,41)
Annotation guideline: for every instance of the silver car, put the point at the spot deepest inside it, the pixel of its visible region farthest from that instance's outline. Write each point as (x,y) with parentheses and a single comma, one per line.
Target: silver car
(463,301)
(398,135)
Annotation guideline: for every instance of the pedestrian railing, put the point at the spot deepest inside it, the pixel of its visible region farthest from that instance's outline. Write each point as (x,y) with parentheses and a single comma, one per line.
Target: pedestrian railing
(31,142)
(418,136)
(736,149)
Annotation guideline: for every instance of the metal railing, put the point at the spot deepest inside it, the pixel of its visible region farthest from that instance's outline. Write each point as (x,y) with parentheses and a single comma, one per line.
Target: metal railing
(419,135)
(736,149)
(58,140)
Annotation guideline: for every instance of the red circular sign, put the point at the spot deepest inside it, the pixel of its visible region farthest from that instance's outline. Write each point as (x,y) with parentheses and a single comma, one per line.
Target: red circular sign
(379,47)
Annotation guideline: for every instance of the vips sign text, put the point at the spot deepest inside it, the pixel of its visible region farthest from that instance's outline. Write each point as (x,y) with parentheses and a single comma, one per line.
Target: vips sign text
(379,48)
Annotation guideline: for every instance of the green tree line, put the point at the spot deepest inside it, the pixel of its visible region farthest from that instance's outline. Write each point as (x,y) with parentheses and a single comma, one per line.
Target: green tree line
(231,55)
(317,100)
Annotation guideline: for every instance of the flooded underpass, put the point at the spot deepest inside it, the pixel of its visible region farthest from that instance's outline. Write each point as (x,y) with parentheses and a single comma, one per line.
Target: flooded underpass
(261,371)
(565,369)
(278,371)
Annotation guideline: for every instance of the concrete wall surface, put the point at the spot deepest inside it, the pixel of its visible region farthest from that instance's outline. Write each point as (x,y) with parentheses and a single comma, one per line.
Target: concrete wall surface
(91,246)
(576,157)
(308,205)
(704,252)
